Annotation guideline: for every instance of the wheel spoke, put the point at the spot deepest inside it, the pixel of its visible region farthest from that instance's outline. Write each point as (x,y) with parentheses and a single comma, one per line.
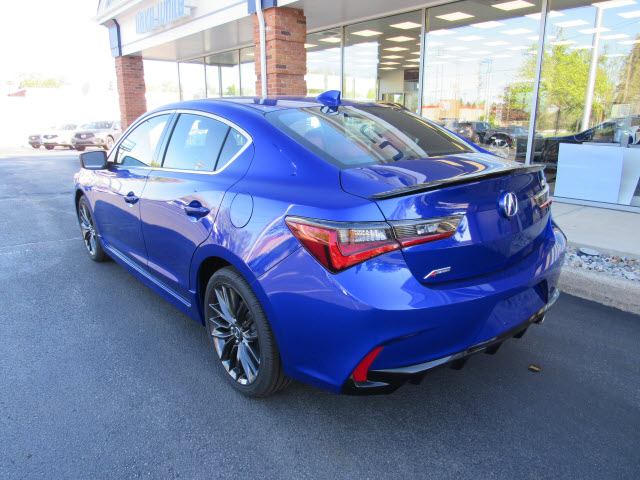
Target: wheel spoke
(247,363)
(219,317)
(92,243)
(223,303)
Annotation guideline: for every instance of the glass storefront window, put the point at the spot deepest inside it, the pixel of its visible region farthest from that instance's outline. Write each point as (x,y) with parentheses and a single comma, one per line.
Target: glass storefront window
(248,71)
(161,80)
(229,79)
(323,62)
(192,85)
(589,103)
(479,72)
(382,60)
(213,80)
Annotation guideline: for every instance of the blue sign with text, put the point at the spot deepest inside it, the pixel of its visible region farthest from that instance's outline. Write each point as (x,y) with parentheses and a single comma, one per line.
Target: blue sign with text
(160,14)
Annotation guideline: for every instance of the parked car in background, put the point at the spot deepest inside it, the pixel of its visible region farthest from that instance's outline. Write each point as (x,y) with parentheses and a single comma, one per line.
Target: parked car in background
(502,139)
(35,141)
(474,131)
(622,130)
(349,245)
(98,134)
(59,136)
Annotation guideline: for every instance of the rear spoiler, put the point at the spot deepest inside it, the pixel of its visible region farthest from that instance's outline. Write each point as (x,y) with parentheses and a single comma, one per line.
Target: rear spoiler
(461,180)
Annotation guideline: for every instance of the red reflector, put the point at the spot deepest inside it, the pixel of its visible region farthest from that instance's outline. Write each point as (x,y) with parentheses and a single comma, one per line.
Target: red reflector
(360,372)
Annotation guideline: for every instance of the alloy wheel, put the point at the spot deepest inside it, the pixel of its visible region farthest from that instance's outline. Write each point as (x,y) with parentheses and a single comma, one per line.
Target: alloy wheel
(88,228)
(235,334)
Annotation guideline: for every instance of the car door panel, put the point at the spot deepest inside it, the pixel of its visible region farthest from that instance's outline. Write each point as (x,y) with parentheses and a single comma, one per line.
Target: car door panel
(178,210)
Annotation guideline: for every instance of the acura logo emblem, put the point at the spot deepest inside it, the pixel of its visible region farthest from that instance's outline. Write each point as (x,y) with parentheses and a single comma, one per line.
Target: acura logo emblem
(508,205)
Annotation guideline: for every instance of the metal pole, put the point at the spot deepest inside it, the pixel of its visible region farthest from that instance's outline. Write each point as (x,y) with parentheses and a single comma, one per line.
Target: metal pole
(423,48)
(342,79)
(531,136)
(593,69)
(206,86)
(179,82)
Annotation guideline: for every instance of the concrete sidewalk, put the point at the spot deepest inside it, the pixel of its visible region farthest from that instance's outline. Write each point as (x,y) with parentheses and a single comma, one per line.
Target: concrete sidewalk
(612,232)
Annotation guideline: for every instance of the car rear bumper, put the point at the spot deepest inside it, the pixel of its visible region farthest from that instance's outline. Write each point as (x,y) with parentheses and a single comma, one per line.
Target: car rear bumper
(325,324)
(388,380)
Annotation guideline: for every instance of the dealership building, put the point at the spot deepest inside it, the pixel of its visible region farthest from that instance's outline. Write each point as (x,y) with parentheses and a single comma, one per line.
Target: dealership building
(553,81)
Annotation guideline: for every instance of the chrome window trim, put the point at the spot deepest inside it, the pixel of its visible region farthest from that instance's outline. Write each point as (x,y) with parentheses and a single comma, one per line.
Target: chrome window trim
(213,116)
(130,129)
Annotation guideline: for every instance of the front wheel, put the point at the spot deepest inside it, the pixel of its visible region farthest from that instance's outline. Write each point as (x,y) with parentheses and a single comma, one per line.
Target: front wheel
(109,143)
(89,232)
(49,147)
(80,149)
(35,146)
(241,335)
(500,147)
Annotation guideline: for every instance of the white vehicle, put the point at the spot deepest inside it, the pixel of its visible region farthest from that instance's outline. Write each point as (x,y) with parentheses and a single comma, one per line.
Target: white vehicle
(60,136)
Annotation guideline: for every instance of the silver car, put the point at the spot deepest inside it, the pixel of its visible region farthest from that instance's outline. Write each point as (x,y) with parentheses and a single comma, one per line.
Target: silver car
(98,134)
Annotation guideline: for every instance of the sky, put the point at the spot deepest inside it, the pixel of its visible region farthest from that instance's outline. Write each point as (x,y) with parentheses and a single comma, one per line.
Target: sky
(54,39)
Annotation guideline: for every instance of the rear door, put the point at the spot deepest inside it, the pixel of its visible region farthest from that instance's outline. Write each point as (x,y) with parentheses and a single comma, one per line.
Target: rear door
(204,156)
(118,188)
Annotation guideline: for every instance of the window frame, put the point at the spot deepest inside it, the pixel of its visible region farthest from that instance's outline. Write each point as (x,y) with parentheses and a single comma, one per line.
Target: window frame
(165,138)
(113,153)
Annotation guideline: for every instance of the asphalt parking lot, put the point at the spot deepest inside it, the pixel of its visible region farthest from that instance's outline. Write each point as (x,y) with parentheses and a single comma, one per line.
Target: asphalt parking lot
(101,378)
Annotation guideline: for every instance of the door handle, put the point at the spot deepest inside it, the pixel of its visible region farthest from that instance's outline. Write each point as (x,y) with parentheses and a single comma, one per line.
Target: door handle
(195,209)
(131,198)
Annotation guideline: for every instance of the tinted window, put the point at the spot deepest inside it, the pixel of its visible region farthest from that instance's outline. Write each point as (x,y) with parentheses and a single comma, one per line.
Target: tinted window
(355,136)
(232,145)
(195,143)
(138,148)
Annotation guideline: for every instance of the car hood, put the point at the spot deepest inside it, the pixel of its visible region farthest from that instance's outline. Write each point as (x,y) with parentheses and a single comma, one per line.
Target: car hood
(376,179)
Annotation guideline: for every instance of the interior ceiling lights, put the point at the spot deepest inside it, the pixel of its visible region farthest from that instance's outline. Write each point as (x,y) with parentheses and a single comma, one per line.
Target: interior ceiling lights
(406,25)
(513,5)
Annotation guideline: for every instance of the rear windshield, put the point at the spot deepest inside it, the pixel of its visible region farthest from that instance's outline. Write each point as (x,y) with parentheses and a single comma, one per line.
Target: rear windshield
(100,125)
(354,136)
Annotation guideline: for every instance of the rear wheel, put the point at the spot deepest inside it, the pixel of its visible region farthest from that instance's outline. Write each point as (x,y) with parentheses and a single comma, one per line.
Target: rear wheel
(476,139)
(109,143)
(80,149)
(241,335)
(49,147)
(35,146)
(500,147)
(89,232)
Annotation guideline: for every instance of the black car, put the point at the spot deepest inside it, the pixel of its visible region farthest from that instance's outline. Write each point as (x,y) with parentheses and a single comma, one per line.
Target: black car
(623,130)
(474,131)
(513,136)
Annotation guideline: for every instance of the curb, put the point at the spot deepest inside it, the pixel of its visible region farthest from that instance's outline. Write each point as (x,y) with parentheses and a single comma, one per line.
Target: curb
(601,288)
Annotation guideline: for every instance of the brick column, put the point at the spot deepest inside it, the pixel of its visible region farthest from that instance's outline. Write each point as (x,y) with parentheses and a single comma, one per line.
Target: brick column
(131,89)
(286,34)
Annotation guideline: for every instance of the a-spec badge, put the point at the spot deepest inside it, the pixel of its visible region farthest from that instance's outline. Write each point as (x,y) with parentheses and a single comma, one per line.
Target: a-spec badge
(438,271)
(508,205)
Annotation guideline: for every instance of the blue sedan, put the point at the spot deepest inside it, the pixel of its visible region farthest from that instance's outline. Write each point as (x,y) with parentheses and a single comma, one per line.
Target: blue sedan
(352,246)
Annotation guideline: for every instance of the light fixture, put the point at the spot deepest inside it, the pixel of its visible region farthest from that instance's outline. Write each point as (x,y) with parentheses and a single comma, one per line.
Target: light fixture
(471,38)
(445,56)
(413,60)
(516,31)
(331,40)
(481,52)
(395,49)
(614,4)
(629,42)
(611,55)
(513,5)
(367,33)
(414,53)
(391,56)
(389,63)
(634,14)
(400,39)
(496,43)
(406,25)
(452,17)
(533,38)
(563,42)
(456,49)
(387,68)
(614,36)
(434,44)
(589,31)
(441,32)
(466,59)
(309,45)
(571,23)
(552,14)
(488,25)
(410,66)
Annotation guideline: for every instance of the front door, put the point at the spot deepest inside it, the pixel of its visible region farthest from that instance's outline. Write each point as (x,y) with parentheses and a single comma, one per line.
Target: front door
(204,157)
(119,188)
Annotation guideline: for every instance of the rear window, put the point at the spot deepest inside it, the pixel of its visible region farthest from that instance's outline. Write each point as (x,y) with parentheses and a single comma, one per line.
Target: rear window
(354,136)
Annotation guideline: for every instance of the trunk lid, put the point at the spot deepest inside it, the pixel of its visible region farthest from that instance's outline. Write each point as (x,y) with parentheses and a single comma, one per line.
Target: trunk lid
(471,185)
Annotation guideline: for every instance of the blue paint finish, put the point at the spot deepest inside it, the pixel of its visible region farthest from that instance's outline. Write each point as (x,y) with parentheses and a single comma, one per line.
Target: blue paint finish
(501,270)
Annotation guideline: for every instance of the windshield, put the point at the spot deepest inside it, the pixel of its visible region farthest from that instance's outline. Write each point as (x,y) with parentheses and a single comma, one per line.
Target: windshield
(69,126)
(355,136)
(100,125)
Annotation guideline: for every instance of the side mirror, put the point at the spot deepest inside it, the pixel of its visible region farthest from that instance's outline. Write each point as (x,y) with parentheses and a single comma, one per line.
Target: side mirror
(94,160)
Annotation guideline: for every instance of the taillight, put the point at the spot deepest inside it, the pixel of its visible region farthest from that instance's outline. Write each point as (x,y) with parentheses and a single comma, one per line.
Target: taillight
(414,232)
(360,372)
(543,199)
(341,245)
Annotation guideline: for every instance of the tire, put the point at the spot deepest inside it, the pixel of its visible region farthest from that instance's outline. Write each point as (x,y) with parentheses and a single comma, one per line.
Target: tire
(500,147)
(80,149)
(476,139)
(49,147)
(71,147)
(89,231)
(109,143)
(242,338)
(35,146)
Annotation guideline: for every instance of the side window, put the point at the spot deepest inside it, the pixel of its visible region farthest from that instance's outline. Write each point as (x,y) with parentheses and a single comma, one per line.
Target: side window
(195,143)
(232,145)
(117,126)
(138,148)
